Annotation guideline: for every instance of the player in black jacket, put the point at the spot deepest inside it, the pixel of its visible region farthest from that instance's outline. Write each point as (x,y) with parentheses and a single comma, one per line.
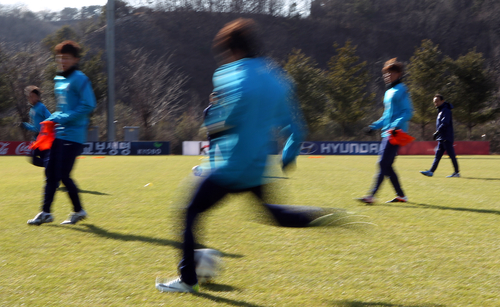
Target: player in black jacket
(444,135)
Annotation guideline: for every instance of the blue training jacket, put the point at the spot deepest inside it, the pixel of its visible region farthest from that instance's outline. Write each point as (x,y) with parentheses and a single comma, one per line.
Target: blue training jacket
(75,102)
(255,98)
(38,113)
(398,110)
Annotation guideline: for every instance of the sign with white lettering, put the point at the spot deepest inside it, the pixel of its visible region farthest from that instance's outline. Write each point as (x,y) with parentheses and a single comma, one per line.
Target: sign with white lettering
(126,148)
(97,148)
(339,148)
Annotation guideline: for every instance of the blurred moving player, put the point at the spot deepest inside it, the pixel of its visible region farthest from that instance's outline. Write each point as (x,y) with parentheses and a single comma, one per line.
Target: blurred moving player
(256,98)
(75,102)
(398,111)
(38,113)
(213,112)
(444,135)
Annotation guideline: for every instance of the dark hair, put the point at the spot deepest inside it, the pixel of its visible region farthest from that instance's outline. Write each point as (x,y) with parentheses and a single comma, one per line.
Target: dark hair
(393,66)
(32,89)
(439,96)
(239,34)
(68,47)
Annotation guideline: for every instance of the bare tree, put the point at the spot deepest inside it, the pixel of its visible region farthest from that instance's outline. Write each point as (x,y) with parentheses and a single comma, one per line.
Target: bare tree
(220,6)
(152,88)
(22,69)
(237,6)
(211,5)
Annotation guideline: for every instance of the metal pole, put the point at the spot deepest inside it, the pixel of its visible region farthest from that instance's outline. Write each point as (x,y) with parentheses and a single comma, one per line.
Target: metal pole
(110,52)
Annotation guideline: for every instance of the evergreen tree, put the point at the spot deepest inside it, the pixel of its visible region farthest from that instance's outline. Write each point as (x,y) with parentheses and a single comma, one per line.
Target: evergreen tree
(64,33)
(309,86)
(5,99)
(471,91)
(346,87)
(426,77)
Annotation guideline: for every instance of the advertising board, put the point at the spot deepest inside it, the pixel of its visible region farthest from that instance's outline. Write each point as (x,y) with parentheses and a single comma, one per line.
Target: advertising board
(97,148)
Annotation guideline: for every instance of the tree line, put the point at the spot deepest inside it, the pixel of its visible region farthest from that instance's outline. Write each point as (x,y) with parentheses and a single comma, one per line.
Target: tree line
(150,91)
(341,94)
(337,76)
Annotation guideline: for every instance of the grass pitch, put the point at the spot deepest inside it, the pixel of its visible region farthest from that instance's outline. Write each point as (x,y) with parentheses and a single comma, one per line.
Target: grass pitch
(440,249)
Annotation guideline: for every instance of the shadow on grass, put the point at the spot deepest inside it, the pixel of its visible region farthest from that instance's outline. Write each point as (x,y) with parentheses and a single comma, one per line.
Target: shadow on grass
(218,287)
(101,232)
(415,205)
(63,189)
(226,301)
(431,157)
(276,177)
(479,178)
(378,304)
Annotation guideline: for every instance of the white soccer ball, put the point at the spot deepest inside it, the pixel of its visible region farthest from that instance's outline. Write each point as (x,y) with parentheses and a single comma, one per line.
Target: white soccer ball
(197,170)
(208,264)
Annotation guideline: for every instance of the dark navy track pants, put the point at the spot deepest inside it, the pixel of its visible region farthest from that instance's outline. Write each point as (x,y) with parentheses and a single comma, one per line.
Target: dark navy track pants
(442,147)
(387,155)
(62,157)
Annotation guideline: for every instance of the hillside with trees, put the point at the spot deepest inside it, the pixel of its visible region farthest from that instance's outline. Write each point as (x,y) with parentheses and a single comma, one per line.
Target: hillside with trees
(333,49)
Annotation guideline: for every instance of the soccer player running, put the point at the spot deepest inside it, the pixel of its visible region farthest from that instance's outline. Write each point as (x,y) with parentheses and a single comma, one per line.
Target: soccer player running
(75,102)
(38,113)
(256,98)
(444,135)
(398,111)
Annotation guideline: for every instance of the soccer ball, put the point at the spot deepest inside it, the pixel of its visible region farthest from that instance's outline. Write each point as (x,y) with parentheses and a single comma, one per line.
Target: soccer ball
(197,170)
(208,264)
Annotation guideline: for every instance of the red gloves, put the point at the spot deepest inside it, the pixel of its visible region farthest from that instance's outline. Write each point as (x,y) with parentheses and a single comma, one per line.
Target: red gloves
(45,137)
(399,137)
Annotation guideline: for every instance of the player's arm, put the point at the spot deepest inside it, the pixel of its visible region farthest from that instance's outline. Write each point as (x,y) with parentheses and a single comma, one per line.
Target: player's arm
(378,124)
(28,126)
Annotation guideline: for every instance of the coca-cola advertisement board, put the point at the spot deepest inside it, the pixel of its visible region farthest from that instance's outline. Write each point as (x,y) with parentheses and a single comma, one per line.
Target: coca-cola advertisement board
(14,148)
(96,148)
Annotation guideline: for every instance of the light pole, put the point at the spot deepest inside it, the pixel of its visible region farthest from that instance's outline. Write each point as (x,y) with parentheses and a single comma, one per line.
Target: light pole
(110,52)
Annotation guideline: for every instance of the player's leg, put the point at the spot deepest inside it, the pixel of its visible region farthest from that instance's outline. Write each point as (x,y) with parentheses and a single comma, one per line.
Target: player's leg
(207,195)
(45,154)
(386,157)
(386,164)
(393,177)
(450,150)
(37,158)
(52,178)
(286,215)
(71,150)
(53,173)
(439,154)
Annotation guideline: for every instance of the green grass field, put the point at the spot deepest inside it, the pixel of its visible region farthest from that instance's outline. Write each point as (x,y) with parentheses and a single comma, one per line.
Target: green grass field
(440,249)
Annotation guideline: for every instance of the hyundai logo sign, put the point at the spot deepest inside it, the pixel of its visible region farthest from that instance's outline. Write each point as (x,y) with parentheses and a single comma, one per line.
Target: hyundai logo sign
(308,148)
